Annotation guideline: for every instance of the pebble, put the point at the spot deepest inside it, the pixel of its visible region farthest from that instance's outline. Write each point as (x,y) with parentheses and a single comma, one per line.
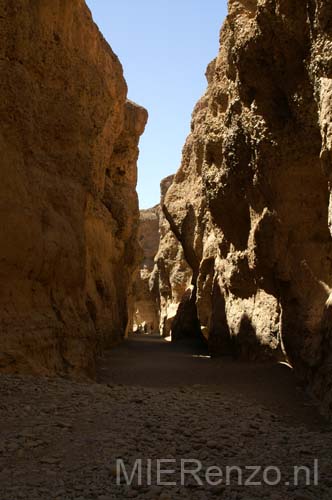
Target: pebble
(91,425)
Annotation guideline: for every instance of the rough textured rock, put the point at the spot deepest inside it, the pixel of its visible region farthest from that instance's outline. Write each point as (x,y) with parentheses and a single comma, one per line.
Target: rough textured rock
(250,203)
(146,310)
(68,206)
(171,276)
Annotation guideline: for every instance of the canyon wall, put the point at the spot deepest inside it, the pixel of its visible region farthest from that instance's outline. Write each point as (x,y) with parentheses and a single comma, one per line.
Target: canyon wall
(163,283)
(146,303)
(251,202)
(68,205)
(171,276)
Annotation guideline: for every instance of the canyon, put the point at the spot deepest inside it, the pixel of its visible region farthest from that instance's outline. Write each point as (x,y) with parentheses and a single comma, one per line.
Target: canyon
(233,266)
(248,213)
(237,254)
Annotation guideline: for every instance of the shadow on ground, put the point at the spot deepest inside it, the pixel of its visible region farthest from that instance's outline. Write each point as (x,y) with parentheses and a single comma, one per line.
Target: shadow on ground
(150,361)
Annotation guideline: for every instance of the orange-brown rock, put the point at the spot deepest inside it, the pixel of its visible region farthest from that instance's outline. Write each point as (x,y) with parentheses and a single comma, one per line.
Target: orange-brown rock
(146,309)
(250,203)
(68,205)
(171,276)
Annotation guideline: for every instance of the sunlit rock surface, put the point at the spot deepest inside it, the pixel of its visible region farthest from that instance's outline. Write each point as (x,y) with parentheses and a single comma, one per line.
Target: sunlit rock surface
(171,276)
(68,205)
(146,309)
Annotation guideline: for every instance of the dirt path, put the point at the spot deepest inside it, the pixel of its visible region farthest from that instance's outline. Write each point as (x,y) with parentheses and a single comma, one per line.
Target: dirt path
(150,361)
(61,440)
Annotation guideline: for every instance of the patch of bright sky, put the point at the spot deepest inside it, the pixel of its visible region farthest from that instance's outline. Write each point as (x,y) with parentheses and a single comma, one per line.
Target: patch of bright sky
(164,47)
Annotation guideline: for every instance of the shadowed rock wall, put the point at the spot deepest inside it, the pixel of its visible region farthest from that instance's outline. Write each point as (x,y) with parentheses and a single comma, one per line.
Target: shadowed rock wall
(250,202)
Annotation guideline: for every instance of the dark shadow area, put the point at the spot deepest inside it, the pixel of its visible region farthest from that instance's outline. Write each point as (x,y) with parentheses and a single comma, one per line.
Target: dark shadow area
(220,342)
(246,345)
(186,324)
(150,361)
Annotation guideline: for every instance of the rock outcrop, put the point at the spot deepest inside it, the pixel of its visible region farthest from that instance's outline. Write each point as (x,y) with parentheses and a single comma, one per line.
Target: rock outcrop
(250,202)
(146,310)
(68,205)
(171,276)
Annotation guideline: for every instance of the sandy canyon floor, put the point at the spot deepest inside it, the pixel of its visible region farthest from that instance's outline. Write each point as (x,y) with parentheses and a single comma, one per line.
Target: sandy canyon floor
(155,401)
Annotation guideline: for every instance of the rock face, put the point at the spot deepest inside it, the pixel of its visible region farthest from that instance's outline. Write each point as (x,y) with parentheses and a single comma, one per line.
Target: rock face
(250,202)
(163,284)
(171,276)
(146,310)
(68,205)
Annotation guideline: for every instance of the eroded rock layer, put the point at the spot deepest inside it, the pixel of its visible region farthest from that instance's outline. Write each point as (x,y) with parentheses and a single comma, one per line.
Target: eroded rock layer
(250,202)
(68,205)
(146,310)
(171,277)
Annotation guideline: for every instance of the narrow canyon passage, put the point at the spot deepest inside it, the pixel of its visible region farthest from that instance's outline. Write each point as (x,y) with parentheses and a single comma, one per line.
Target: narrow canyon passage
(233,263)
(151,361)
(61,440)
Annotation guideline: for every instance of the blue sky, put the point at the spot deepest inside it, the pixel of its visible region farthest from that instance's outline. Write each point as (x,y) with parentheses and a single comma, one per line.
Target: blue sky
(164,47)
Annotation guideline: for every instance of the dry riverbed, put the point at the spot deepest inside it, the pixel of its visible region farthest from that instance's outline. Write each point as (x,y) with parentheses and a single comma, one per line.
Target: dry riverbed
(61,440)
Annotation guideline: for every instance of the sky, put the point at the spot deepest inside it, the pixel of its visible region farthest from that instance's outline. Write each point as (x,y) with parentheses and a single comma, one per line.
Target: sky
(164,47)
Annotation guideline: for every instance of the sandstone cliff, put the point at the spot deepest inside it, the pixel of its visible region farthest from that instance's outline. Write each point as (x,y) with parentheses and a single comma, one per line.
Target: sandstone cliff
(146,309)
(250,202)
(171,276)
(68,205)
